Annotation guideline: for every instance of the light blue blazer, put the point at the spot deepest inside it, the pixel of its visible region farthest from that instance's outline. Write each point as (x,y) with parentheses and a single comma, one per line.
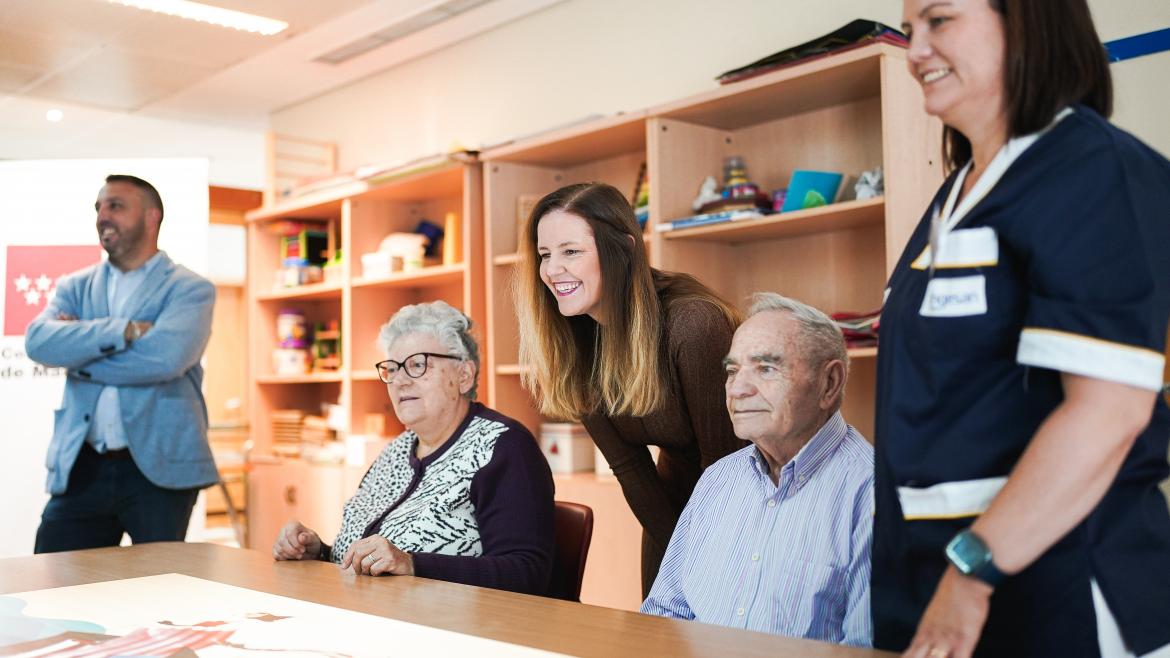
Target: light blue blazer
(158,376)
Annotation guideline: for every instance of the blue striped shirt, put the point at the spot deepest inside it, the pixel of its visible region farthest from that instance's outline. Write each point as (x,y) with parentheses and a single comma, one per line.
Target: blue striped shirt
(791,559)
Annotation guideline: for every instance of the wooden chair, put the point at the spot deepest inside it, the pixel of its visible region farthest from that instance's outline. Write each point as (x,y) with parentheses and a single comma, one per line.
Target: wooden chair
(573,525)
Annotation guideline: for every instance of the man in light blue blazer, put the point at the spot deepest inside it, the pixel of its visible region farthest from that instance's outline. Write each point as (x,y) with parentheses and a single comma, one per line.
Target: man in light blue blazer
(129,450)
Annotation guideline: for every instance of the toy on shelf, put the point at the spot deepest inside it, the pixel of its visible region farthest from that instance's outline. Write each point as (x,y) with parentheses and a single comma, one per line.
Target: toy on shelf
(738,193)
(641,197)
(398,252)
(870,184)
(708,193)
(434,235)
(334,269)
(292,341)
(326,348)
(305,247)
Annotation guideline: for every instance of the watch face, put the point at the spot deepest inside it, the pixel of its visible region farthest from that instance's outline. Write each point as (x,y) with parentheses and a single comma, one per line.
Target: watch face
(967,553)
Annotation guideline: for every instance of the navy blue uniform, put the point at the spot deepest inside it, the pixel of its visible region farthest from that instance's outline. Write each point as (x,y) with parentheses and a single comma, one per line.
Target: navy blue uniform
(1062,266)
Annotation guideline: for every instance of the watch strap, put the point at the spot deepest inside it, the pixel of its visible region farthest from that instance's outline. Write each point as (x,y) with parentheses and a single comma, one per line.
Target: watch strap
(989,573)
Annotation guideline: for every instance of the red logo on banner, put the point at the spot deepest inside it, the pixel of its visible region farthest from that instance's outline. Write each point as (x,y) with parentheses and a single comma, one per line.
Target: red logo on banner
(31,280)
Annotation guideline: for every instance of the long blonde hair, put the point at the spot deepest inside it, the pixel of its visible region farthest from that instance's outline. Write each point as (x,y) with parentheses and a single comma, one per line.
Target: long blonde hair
(574,365)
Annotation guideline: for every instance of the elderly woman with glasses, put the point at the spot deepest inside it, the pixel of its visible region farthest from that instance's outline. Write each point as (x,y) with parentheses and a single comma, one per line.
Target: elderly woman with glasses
(463,495)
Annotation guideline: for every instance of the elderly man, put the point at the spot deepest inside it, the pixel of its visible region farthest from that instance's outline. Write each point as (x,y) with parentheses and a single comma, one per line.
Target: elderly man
(777,536)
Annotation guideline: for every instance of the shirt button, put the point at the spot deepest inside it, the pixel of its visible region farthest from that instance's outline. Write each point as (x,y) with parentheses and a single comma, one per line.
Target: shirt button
(771,503)
(755,557)
(739,612)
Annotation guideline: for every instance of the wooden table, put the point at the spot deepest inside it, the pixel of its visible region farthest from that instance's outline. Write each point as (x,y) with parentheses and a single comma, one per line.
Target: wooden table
(559,626)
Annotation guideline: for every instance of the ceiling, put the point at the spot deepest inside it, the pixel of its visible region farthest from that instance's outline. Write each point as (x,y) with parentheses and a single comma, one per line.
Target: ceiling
(97,54)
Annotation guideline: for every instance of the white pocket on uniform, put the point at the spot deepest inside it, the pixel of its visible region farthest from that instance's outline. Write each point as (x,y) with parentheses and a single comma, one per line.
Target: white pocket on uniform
(965,247)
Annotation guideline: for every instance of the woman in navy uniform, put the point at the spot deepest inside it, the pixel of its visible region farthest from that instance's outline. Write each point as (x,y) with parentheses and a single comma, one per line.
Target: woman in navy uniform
(1020,434)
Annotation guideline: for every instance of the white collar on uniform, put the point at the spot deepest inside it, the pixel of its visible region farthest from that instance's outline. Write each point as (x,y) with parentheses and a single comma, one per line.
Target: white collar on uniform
(1007,154)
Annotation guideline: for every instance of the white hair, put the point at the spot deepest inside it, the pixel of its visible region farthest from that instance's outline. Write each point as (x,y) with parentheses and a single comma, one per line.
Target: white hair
(820,338)
(441,320)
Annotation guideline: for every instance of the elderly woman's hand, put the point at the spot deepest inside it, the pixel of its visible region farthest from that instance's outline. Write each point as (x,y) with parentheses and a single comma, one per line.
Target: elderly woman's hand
(376,556)
(296,542)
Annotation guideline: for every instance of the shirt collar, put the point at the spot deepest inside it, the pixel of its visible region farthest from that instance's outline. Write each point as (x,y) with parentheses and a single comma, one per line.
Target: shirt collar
(1007,154)
(811,457)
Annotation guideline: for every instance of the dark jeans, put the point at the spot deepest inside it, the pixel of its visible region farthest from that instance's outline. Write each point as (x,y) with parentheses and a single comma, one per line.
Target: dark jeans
(106,496)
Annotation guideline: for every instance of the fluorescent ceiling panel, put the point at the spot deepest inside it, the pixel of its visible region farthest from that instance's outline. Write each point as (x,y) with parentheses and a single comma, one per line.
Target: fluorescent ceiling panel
(197,11)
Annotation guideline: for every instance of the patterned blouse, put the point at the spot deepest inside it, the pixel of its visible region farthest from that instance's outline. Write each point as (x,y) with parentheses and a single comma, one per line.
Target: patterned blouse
(478,510)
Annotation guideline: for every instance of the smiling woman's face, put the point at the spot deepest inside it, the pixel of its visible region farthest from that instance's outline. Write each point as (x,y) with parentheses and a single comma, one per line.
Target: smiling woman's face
(433,399)
(956,54)
(569,263)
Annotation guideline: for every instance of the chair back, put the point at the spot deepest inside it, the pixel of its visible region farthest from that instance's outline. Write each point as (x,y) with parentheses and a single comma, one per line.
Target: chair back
(573,526)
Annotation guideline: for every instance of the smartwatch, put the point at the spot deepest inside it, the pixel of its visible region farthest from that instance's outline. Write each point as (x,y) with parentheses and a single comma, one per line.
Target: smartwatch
(972,557)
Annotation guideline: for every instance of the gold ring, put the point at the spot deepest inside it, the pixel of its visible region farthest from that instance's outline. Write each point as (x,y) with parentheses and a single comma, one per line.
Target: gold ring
(935,652)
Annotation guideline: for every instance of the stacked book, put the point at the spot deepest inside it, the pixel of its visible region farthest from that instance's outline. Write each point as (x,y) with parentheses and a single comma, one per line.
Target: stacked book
(859,329)
(738,215)
(315,430)
(286,432)
(567,447)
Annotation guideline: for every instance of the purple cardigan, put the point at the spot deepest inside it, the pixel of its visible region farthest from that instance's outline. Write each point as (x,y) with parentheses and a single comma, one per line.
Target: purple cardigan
(477,511)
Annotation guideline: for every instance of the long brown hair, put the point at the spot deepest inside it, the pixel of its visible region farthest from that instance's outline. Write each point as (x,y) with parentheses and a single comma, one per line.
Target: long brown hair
(1053,58)
(576,366)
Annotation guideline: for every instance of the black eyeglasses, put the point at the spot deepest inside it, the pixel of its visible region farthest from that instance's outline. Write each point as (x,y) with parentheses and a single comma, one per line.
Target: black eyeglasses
(415,365)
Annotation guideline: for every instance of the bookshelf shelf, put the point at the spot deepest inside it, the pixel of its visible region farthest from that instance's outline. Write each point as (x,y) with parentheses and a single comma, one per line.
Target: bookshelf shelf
(862,352)
(834,217)
(427,276)
(313,291)
(307,378)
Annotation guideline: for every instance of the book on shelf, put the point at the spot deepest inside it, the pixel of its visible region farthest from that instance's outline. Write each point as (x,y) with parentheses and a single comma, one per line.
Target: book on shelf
(855,34)
(710,218)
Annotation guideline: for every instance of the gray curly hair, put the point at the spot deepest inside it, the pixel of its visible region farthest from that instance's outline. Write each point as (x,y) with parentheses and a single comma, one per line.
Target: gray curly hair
(441,320)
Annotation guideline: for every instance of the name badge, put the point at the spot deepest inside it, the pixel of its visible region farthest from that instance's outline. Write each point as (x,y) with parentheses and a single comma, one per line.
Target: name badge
(967,247)
(955,297)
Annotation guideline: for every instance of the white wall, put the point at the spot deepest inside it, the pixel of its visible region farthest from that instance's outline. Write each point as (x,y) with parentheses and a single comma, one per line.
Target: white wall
(587,57)
(235,157)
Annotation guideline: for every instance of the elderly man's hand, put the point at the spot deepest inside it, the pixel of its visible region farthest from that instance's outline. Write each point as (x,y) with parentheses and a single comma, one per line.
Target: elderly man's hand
(376,556)
(296,542)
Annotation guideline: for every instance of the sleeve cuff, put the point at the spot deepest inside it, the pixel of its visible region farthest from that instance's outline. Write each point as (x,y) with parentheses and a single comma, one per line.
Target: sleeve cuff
(1091,357)
(423,566)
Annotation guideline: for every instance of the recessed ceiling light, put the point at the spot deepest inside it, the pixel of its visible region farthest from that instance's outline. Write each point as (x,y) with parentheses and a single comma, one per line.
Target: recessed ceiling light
(198,11)
(54,115)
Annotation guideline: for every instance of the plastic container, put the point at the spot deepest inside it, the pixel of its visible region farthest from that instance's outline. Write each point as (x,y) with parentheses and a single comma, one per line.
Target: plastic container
(292,331)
